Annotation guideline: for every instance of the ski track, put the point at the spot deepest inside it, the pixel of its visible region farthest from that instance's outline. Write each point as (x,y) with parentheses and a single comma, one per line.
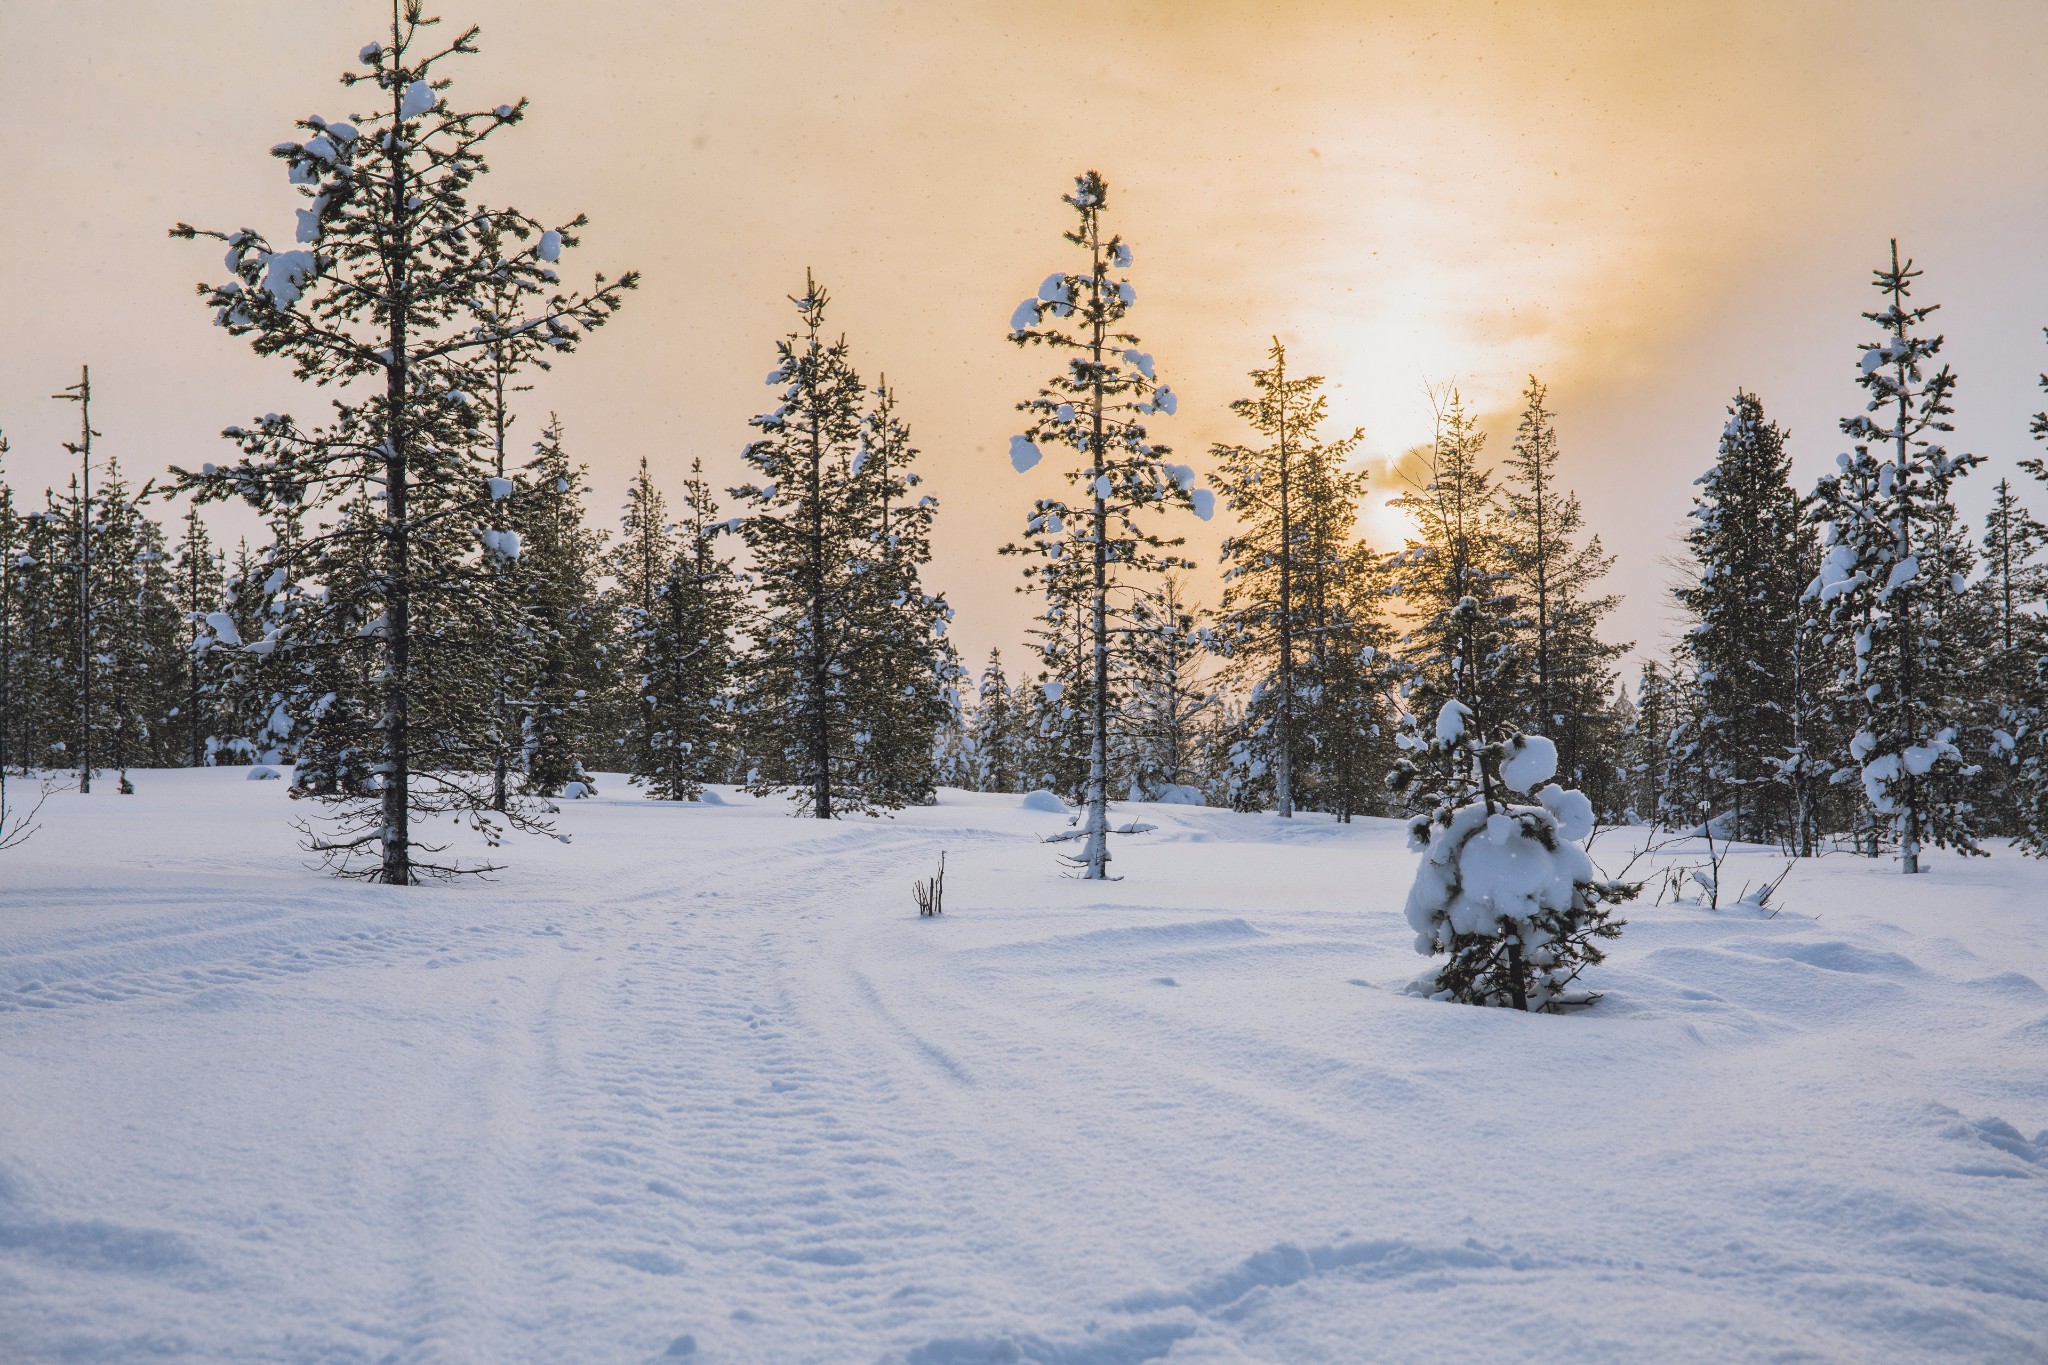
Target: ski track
(717,1094)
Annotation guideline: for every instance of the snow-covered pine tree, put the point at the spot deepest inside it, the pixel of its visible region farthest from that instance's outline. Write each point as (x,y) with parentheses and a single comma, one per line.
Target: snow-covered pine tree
(1505,888)
(566,627)
(898,661)
(996,730)
(1296,504)
(684,728)
(1568,668)
(1753,551)
(383,295)
(1889,506)
(1095,406)
(809,536)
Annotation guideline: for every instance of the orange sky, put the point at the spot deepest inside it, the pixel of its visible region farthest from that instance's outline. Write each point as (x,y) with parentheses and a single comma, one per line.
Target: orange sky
(1647,205)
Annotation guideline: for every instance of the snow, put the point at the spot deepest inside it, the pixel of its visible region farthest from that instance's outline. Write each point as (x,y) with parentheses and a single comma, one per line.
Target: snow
(1483,868)
(702,1081)
(1023,453)
(1531,761)
(1452,721)
(1205,503)
(419,97)
(1573,811)
(1026,316)
(550,247)
(285,274)
(500,544)
(223,627)
(1042,800)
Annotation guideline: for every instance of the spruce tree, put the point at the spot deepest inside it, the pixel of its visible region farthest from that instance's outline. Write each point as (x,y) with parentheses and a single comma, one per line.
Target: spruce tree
(1453,583)
(1095,406)
(685,642)
(997,731)
(12,544)
(565,626)
(810,537)
(1296,504)
(1752,549)
(898,658)
(642,555)
(1883,579)
(1173,708)
(383,296)
(1567,668)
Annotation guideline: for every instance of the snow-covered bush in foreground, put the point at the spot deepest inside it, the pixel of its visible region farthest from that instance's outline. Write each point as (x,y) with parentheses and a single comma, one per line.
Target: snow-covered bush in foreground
(1504,889)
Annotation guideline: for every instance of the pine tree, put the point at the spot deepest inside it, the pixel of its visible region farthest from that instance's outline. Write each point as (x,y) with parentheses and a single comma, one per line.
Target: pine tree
(13,540)
(898,659)
(1095,406)
(1172,707)
(1752,548)
(642,556)
(810,534)
(997,731)
(1296,504)
(200,587)
(384,296)
(1882,579)
(1453,582)
(1352,715)
(2024,674)
(567,628)
(137,629)
(685,641)
(1568,667)
(1505,889)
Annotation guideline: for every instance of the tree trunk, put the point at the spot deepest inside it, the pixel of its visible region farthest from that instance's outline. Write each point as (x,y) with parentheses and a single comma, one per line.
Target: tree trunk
(396,869)
(1095,850)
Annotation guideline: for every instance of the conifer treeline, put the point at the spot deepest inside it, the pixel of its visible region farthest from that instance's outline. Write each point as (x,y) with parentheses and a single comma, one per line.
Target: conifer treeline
(1860,668)
(430,630)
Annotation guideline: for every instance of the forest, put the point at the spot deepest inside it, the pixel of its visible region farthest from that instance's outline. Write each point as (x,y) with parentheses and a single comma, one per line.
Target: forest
(439,624)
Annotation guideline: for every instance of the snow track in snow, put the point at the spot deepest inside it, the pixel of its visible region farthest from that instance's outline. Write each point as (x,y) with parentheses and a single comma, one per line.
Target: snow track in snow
(703,1085)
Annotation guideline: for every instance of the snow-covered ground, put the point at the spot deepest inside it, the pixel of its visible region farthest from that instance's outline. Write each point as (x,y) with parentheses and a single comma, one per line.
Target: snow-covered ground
(702,1084)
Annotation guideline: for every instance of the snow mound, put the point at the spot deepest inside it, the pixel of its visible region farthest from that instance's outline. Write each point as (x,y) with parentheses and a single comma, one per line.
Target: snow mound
(1045,801)
(1531,761)
(261,773)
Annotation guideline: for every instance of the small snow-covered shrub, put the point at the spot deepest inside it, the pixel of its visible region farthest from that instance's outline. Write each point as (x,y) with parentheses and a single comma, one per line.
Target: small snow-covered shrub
(1505,890)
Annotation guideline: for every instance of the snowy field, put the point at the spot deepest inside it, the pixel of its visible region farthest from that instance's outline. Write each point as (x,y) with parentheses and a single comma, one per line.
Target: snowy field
(702,1084)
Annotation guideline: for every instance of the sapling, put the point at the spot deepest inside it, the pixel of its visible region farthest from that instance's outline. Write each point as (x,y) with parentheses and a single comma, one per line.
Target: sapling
(1505,888)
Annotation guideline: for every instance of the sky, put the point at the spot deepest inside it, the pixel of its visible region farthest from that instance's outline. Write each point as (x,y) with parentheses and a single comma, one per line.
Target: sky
(1647,206)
